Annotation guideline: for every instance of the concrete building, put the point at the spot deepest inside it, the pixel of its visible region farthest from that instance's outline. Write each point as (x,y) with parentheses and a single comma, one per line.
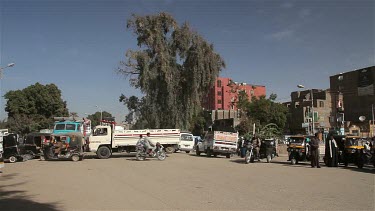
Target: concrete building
(221,101)
(300,121)
(357,89)
(224,95)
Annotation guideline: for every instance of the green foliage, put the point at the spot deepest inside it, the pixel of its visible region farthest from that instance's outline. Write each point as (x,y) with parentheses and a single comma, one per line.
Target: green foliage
(34,107)
(95,118)
(267,111)
(174,67)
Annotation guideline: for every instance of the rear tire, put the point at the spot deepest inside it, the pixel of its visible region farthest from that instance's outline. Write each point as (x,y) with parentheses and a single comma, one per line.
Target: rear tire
(293,161)
(227,156)
(103,152)
(75,158)
(269,158)
(187,152)
(12,159)
(161,155)
(170,150)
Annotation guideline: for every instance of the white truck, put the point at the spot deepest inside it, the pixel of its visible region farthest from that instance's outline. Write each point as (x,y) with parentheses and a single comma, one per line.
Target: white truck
(3,132)
(107,139)
(218,143)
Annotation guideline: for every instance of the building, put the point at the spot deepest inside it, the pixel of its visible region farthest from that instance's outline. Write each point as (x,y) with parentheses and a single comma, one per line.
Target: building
(221,102)
(300,121)
(355,112)
(224,94)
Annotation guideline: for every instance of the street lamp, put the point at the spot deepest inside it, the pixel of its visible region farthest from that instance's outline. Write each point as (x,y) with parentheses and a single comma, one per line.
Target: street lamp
(101,114)
(312,107)
(1,77)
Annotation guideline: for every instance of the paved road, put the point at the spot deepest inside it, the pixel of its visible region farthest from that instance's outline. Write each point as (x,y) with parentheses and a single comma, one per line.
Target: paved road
(183,181)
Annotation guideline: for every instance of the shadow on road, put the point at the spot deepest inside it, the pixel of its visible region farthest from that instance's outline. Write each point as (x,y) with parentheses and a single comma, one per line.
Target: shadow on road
(19,200)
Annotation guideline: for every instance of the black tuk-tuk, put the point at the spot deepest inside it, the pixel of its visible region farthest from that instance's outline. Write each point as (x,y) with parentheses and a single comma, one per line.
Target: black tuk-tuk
(298,149)
(12,149)
(33,143)
(268,149)
(64,146)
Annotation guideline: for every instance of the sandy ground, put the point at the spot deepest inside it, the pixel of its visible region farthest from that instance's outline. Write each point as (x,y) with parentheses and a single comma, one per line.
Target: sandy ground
(183,181)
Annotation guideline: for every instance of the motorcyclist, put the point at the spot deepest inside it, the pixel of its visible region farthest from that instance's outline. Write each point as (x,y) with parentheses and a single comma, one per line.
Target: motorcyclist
(256,144)
(148,144)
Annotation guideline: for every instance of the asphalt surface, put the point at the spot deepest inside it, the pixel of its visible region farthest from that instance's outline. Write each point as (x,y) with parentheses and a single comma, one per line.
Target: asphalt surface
(183,181)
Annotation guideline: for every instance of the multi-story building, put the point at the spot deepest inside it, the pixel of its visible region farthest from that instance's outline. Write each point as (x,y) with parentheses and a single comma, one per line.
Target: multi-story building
(222,99)
(300,107)
(355,111)
(224,95)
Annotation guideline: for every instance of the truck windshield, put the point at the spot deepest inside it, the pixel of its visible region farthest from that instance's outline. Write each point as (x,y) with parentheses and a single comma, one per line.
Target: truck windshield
(60,127)
(186,137)
(70,127)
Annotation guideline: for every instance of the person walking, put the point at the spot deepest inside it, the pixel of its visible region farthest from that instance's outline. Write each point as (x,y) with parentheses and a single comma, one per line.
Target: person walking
(331,152)
(314,150)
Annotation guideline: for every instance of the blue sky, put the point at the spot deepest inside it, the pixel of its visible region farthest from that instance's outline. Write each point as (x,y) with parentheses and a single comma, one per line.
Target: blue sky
(78,45)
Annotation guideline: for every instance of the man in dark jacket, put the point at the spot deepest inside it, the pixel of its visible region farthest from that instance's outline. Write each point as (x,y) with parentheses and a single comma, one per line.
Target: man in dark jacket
(314,144)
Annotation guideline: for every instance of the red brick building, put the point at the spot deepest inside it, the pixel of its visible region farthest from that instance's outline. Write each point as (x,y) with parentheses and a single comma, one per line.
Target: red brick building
(224,95)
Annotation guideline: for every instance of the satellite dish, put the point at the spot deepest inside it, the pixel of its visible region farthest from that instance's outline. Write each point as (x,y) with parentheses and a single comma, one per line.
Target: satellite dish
(362,118)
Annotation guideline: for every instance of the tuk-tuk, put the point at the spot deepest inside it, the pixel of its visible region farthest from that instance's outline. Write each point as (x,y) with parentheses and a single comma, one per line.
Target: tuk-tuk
(12,149)
(64,146)
(297,149)
(33,143)
(268,149)
(352,148)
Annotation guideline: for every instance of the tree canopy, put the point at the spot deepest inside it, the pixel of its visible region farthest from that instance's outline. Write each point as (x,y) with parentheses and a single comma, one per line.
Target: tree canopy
(269,116)
(95,118)
(174,68)
(34,107)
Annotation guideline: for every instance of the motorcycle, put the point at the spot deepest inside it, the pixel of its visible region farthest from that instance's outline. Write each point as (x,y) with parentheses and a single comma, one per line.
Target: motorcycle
(158,152)
(249,157)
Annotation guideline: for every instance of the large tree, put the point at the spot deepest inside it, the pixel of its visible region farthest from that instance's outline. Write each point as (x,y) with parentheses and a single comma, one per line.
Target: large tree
(95,118)
(34,107)
(174,68)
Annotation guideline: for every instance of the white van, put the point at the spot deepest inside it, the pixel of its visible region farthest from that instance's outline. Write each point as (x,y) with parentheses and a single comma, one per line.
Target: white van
(186,142)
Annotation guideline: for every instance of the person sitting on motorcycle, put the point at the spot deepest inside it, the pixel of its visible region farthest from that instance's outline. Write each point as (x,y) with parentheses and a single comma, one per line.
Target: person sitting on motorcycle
(149,145)
(141,142)
(256,144)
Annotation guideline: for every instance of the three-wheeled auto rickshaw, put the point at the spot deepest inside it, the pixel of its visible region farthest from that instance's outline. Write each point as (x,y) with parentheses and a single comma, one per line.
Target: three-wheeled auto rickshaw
(297,149)
(64,146)
(268,149)
(33,143)
(352,149)
(12,149)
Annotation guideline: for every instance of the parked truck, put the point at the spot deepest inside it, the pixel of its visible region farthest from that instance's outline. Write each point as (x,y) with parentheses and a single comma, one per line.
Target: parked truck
(218,143)
(107,139)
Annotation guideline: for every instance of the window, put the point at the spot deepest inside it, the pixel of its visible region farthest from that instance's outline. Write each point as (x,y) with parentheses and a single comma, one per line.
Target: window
(218,83)
(321,104)
(70,127)
(60,127)
(219,93)
(218,101)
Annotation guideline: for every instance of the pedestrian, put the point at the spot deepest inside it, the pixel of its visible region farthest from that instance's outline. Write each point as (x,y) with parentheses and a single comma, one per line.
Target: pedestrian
(314,150)
(331,152)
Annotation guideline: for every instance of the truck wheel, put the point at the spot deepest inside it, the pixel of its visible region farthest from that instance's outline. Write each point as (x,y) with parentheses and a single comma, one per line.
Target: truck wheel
(103,152)
(170,150)
(75,158)
(12,159)
(197,152)
(187,152)
(227,155)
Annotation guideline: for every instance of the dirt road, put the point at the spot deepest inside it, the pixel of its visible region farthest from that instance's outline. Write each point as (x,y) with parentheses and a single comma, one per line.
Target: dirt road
(183,181)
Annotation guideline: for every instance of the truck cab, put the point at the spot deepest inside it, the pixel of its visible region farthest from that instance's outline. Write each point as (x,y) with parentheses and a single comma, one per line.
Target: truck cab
(187,142)
(218,143)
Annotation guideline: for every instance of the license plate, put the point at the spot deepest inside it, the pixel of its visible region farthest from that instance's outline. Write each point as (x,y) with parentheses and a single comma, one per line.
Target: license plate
(225,148)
